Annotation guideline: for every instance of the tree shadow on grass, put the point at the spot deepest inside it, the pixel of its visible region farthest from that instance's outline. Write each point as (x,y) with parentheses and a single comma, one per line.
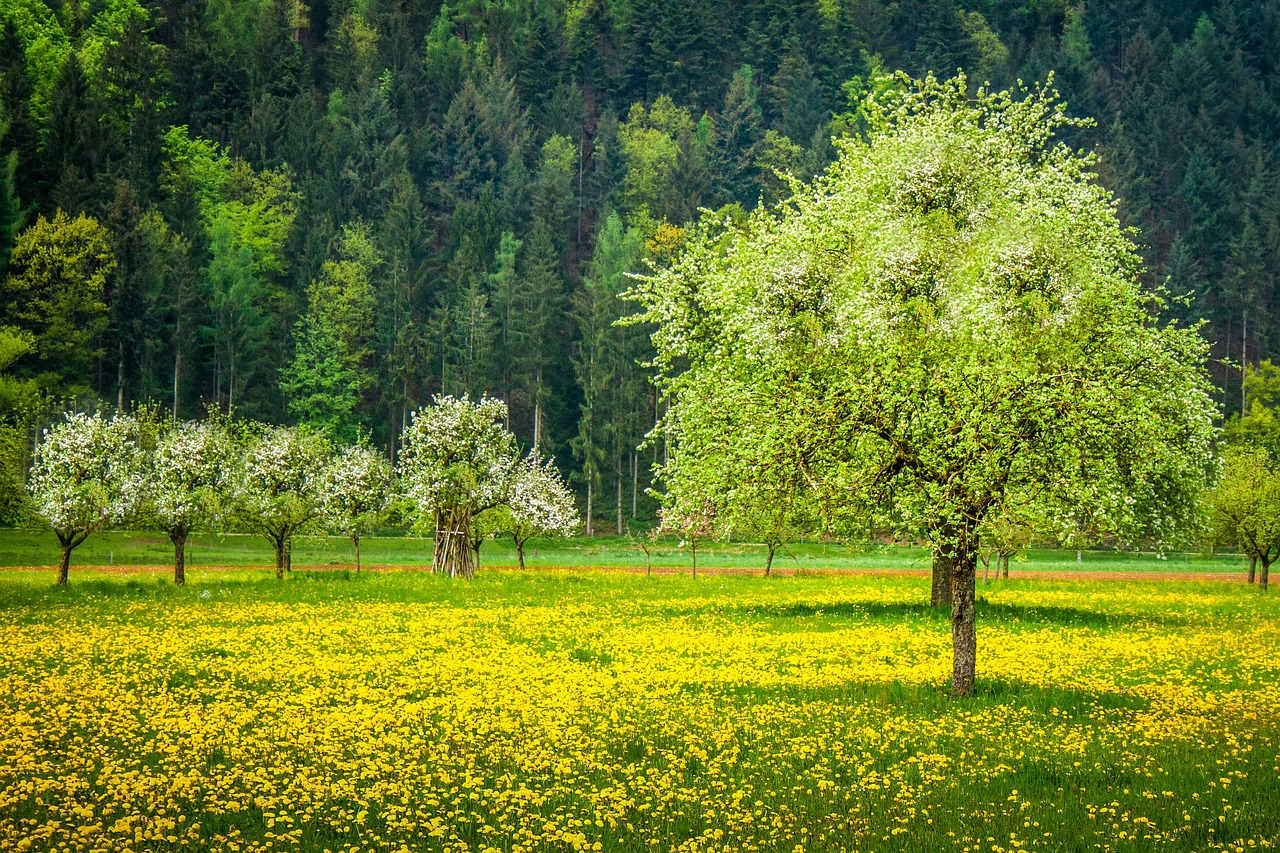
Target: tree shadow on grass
(992,612)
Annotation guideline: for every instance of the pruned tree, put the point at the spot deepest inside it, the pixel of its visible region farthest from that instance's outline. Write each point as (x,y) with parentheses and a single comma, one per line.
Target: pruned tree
(355,492)
(457,462)
(186,483)
(86,474)
(950,315)
(540,504)
(276,487)
(1244,507)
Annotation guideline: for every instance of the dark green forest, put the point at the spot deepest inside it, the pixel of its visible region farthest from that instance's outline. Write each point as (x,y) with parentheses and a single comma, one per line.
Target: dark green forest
(327,213)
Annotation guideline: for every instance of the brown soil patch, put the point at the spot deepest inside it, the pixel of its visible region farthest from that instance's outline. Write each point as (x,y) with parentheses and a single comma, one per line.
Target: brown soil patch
(157,570)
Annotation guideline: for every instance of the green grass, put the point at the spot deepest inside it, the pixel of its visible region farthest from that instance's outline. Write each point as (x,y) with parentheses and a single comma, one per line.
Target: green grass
(26,548)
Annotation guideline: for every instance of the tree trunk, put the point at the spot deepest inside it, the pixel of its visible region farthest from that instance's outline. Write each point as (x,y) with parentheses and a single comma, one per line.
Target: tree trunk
(635,481)
(453,548)
(1262,575)
(120,375)
(64,564)
(179,540)
(964,637)
(355,540)
(588,503)
(940,590)
(280,558)
(1253,568)
(618,530)
(986,569)
(520,552)
(288,554)
(177,367)
(768,563)
(1004,563)
(693,549)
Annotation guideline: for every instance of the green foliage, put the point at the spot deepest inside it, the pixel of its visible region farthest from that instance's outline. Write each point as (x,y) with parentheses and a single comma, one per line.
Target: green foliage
(55,291)
(1244,507)
(949,319)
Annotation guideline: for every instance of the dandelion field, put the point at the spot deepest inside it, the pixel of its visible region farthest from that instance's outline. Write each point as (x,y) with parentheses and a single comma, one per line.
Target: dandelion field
(554,710)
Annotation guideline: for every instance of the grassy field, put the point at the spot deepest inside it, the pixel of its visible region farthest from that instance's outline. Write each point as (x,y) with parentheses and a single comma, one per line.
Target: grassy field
(24,548)
(570,711)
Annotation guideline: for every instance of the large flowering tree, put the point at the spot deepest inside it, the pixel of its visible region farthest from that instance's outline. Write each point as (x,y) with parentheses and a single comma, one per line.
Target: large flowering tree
(276,486)
(186,483)
(457,463)
(86,475)
(355,492)
(949,318)
(540,504)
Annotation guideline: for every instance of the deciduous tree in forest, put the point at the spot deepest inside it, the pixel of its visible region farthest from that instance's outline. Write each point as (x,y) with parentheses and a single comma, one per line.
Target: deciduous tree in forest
(951,315)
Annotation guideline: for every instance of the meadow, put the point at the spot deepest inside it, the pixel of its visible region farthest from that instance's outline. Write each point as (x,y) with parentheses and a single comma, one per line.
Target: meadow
(571,711)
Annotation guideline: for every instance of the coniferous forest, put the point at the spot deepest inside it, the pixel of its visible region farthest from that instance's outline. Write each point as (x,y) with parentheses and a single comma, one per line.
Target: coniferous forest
(326,213)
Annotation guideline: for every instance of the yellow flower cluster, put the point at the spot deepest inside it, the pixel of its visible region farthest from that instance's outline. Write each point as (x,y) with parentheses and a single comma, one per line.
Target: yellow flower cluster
(743,715)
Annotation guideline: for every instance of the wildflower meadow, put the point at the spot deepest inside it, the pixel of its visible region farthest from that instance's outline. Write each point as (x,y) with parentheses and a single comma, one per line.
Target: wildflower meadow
(552,710)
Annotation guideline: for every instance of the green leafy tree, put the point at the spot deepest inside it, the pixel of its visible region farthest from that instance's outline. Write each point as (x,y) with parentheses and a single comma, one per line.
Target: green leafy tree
(1244,508)
(952,316)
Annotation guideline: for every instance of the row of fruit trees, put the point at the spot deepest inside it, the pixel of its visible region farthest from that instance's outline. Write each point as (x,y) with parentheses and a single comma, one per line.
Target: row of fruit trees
(460,476)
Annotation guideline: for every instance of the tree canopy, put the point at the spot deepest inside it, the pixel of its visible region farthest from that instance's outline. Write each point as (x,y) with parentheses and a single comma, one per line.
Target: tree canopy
(951,317)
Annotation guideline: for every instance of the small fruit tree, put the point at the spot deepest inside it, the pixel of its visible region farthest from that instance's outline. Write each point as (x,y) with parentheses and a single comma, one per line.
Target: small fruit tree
(276,486)
(355,492)
(457,462)
(186,483)
(87,474)
(540,504)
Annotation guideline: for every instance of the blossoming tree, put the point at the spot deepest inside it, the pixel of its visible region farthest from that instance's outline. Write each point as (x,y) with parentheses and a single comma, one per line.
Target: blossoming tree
(276,486)
(949,317)
(86,474)
(540,504)
(457,462)
(355,492)
(186,483)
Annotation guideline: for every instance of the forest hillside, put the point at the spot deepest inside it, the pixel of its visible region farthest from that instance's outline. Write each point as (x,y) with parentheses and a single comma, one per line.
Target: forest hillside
(326,213)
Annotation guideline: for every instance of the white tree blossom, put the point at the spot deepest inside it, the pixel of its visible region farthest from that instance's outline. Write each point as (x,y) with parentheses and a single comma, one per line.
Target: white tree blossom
(540,504)
(86,475)
(355,492)
(185,483)
(458,462)
(276,486)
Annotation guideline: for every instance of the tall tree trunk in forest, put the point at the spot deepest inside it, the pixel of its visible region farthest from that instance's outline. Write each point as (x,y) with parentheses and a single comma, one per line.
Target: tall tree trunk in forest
(618,530)
(177,370)
(179,539)
(940,589)
(635,481)
(964,636)
(1253,568)
(589,501)
(120,375)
